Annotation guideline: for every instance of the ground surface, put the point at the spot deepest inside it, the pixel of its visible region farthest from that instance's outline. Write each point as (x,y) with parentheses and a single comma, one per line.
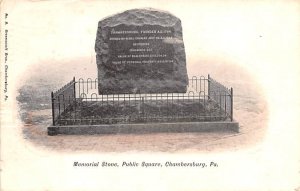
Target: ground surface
(250,110)
(136,111)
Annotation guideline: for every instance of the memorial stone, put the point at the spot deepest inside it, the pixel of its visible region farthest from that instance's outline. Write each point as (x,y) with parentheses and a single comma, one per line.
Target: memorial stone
(141,51)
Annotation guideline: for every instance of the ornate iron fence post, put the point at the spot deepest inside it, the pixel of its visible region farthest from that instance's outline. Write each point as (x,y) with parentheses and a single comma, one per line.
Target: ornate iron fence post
(53,114)
(231,104)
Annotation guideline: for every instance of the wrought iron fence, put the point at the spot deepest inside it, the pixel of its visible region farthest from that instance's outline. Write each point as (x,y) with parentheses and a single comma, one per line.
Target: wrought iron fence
(78,102)
(62,100)
(222,95)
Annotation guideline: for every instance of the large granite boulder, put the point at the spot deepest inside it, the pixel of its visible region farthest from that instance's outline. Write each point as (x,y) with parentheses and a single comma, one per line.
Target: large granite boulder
(141,51)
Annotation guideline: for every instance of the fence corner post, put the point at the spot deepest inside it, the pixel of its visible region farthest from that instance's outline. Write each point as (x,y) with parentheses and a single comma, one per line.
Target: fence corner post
(74,98)
(208,86)
(53,114)
(74,86)
(231,103)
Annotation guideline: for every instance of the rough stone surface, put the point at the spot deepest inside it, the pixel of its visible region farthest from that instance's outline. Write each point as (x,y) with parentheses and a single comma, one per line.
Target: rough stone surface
(141,51)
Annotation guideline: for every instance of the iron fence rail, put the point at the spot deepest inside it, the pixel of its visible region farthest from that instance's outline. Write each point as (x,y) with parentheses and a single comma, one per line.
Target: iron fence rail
(222,95)
(62,99)
(78,102)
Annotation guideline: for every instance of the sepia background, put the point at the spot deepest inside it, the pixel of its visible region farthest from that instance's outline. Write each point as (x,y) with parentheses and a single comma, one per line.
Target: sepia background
(250,46)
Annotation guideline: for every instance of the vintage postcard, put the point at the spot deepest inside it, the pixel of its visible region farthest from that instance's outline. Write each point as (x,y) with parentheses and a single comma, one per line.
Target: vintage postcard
(150,95)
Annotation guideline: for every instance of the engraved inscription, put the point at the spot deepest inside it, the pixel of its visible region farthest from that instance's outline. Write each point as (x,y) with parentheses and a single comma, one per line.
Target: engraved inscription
(148,45)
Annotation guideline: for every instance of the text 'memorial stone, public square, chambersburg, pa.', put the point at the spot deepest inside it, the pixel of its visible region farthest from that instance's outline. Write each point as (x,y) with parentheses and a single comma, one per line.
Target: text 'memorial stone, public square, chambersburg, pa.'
(141,51)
